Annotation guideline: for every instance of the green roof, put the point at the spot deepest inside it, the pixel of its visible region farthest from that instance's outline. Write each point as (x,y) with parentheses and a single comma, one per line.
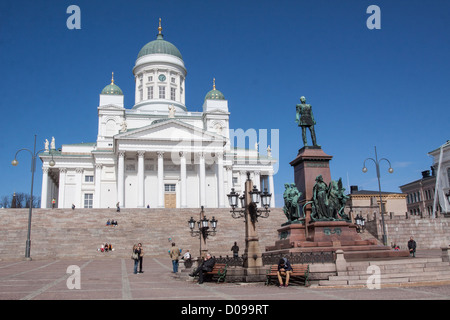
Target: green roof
(214,94)
(112,89)
(160,46)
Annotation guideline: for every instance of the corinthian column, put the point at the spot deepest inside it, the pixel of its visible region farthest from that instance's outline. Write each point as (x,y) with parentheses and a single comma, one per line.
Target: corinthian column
(98,176)
(220,179)
(140,192)
(160,179)
(44,190)
(183,179)
(121,178)
(202,178)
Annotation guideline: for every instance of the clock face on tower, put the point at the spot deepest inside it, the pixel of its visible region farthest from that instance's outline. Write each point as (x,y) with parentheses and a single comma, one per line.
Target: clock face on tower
(162,77)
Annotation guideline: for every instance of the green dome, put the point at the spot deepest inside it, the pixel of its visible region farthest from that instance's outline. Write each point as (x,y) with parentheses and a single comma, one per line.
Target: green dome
(214,95)
(160,46)
(112,88)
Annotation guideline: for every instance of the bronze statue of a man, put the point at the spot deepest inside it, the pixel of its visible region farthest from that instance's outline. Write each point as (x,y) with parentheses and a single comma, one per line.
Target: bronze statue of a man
(305,119)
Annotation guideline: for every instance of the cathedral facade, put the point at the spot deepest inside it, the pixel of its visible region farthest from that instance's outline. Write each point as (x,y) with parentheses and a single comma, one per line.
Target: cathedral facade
(157,153)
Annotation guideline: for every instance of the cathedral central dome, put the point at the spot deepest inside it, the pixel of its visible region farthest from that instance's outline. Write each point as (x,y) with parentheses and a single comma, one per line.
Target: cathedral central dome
(160,46)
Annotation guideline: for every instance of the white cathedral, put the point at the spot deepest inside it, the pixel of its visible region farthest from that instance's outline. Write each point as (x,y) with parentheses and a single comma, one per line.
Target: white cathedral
(157,154)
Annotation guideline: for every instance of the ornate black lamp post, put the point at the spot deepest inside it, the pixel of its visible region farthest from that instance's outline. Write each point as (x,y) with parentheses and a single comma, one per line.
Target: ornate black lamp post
(390,170)
(255,197)
(33,169)
(249,201)
(203,231)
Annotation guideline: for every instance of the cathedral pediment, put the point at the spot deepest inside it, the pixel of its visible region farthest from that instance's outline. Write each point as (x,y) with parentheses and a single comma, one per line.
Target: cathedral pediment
(170,130)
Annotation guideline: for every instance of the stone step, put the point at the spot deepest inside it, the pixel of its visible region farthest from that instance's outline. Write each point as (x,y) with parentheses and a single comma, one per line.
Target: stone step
(65,233)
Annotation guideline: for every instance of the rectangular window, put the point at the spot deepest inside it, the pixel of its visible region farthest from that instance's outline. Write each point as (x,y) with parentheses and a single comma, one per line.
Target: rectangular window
(150,93)
(88,200)
(141,95)
(150,78)
(169,187)
(162,92)
(172,93)
(172,80)
(88,178)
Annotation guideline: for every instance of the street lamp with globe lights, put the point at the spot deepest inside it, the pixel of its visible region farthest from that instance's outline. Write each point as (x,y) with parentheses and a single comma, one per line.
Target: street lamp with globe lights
(203,228)
(390,170)
(51,163)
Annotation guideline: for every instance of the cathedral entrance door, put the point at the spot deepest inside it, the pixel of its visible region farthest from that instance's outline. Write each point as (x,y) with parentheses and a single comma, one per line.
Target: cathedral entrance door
(170,197)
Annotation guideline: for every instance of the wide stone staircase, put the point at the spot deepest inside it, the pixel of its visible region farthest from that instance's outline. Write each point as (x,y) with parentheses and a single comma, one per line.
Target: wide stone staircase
(67,233)
(396,272)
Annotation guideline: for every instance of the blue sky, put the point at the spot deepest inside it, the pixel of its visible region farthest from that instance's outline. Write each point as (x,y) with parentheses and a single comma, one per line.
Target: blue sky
(386,88)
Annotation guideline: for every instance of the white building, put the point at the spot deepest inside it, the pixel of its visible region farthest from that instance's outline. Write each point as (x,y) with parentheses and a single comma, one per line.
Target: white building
(158,153)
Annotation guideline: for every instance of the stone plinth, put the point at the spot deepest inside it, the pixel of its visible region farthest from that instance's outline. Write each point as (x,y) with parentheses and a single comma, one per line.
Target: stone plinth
(309,163)
(326,236)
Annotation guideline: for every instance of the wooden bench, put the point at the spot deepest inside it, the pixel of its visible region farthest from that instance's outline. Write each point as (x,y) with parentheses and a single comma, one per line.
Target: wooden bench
(299,274)
(219,271)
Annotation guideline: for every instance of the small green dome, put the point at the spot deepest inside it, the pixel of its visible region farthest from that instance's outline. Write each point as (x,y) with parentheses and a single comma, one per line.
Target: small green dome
(112,88)
(160,46)
(214,94)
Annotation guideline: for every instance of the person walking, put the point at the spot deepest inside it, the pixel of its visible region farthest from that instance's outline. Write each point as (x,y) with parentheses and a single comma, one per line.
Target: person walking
(140,251)
(174,254)
(412,247)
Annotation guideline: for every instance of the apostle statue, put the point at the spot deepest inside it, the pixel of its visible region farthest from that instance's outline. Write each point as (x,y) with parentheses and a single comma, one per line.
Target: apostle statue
(52,145)
(305,119)
(124,126)
(171,111)
(46,143)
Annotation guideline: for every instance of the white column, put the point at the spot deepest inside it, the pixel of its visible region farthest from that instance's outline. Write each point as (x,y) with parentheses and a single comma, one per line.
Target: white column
(220,179)
(160,179)
(98,179)
(140,192)
(272,190)
(78,202)
(202,178)
(243,178)
(257,180)
(62,187)
(44,190)
(183,179)
(229,178)
(121,179)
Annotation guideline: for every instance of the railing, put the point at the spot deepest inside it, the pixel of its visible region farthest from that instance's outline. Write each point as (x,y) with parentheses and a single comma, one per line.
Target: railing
(231,261)
(270,258)
(300,257)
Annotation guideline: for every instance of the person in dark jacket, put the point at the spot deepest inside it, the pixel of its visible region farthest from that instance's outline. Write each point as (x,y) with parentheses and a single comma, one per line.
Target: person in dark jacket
(206,266)
(284,270)
(412,247)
